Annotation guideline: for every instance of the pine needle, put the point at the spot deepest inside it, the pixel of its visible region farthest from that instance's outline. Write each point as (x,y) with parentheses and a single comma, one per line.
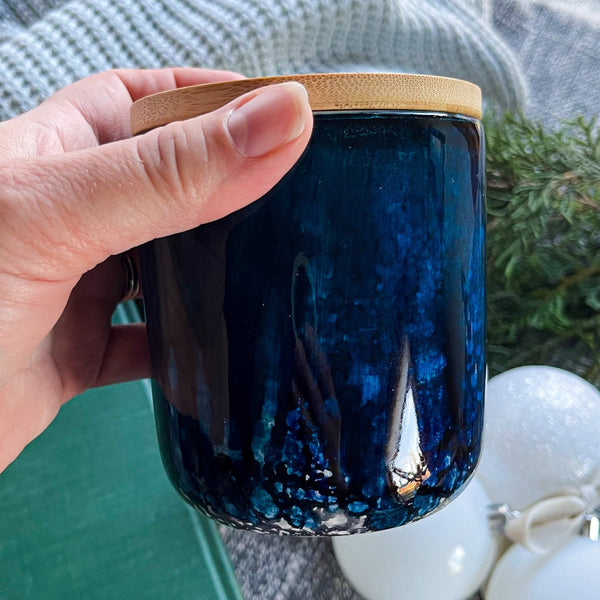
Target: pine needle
(543,245)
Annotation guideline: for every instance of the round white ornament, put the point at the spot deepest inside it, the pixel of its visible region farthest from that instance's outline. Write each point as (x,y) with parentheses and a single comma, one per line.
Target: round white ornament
(445,556)
(569,573)
(541,433)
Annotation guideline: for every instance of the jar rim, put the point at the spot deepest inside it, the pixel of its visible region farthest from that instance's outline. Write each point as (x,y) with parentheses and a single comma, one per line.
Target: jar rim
(326,92)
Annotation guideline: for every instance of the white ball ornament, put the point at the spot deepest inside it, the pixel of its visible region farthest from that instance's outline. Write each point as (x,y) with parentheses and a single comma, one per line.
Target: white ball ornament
(571,572)
(445,556)
(541,433)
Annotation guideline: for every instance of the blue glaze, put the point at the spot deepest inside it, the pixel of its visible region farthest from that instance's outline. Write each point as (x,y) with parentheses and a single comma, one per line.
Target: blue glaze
(318,356)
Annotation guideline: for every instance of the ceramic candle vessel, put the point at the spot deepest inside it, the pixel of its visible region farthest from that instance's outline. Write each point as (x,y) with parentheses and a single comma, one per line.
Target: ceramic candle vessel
(318,357)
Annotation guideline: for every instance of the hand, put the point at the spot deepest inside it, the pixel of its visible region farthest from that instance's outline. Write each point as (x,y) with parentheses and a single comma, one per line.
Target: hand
(76,190)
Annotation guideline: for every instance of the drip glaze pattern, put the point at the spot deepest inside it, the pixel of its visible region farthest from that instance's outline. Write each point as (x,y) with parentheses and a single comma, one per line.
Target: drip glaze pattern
(319,356)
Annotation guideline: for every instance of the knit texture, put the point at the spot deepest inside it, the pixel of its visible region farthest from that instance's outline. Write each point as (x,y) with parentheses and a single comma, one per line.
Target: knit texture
(559,47)
(46,45)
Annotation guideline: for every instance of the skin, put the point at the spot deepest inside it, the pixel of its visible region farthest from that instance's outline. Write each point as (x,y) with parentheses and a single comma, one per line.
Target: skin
(76,191)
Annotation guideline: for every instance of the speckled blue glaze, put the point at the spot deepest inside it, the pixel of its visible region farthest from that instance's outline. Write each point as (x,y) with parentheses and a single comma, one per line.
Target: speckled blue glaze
(319,357)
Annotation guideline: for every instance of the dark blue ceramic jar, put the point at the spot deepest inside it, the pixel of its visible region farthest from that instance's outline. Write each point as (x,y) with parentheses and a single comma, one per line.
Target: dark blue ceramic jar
(319,356)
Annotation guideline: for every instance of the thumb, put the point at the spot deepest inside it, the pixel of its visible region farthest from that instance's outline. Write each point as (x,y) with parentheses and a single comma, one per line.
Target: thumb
(66,213)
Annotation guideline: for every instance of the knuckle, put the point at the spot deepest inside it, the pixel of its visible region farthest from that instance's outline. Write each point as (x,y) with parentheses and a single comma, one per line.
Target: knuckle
(172,158)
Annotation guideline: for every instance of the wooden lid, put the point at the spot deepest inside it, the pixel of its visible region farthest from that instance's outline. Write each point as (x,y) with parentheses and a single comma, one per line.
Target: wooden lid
(326,91)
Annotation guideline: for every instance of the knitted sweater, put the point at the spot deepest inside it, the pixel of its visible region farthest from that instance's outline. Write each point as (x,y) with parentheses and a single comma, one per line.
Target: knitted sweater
(46,44)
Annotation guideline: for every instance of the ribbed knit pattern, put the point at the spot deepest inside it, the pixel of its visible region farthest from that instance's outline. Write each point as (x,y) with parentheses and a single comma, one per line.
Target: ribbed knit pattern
(44,45)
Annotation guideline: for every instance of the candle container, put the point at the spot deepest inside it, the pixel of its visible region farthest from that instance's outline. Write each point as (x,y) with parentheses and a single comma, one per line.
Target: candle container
(319,356)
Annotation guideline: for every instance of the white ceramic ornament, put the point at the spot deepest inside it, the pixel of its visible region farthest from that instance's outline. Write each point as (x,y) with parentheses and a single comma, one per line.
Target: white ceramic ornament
(571,573)
(445,556)
(541,433)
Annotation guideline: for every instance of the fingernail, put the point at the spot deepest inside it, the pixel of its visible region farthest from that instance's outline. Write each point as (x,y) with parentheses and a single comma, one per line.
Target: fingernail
(272,118)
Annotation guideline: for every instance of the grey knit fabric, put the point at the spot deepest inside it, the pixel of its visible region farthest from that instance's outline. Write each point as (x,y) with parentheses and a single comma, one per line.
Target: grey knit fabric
(48,44)
(282,568)
(558,43)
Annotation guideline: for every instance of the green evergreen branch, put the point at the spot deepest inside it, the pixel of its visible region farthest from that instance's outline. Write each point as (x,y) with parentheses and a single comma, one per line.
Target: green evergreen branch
(543,205)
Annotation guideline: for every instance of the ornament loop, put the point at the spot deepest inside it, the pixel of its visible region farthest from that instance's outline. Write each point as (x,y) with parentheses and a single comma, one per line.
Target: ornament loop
(498,515)
(551,521)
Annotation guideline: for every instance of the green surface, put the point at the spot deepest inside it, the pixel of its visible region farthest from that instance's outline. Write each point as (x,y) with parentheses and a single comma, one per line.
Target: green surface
(87,512)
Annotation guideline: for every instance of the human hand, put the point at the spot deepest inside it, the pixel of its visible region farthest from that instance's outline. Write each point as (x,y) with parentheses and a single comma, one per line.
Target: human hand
(76,190)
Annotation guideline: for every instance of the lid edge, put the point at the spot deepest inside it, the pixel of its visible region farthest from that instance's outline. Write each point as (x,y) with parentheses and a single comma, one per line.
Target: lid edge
(326,91)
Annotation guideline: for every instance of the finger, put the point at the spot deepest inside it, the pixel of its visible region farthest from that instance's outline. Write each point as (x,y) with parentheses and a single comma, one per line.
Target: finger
(94,110)
(140,82)
(64,214)
(104,99)
(127,355)
(80,337)
(28,405)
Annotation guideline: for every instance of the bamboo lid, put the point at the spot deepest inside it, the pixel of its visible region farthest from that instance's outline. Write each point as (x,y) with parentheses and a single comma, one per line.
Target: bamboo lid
(326,91)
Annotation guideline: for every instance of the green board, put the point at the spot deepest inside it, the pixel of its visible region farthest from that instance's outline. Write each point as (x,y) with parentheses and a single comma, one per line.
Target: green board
(87,512)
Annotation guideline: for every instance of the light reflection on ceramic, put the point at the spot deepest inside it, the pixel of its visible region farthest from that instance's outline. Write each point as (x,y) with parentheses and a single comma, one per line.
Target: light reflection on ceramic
(406,464)
(319,356)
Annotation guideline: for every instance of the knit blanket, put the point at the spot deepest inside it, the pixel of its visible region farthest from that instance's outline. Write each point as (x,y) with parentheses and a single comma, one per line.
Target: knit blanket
(46,44)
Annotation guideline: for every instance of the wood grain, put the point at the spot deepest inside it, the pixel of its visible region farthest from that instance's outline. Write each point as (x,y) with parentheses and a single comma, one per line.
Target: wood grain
(326,92)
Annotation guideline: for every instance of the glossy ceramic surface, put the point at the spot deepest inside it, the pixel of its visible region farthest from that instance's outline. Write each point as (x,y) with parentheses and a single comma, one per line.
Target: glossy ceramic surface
(318,357)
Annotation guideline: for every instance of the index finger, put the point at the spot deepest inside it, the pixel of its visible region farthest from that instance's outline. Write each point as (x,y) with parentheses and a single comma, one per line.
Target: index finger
(95,110)
(104,99)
